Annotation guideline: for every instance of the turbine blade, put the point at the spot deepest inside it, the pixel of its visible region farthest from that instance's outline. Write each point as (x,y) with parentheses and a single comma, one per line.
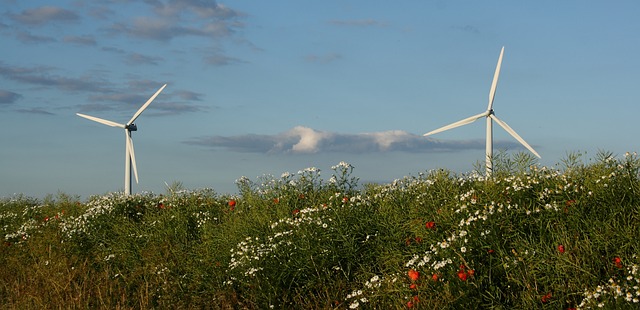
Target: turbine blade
(494,84)
(145,105)
(514,134)
(101,121)
(132,156)
(463,122)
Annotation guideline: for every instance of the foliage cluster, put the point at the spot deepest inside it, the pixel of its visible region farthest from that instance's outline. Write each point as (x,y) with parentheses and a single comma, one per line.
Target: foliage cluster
(529,237)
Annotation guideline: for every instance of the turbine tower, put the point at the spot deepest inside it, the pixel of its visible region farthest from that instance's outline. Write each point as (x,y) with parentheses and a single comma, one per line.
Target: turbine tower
(130,157)
(490,116)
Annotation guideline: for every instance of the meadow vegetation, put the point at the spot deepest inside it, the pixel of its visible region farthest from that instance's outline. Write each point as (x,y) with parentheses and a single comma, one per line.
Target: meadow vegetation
(530,237)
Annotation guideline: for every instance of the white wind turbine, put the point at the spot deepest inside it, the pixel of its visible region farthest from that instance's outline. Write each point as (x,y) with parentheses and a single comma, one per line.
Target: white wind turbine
(130,157)
(490,116)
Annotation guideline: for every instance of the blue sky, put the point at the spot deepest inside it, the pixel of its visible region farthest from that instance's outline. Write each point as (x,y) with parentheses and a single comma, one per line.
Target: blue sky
(266,87)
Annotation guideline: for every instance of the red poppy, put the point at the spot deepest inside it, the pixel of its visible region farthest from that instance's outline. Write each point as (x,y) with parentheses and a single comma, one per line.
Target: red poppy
(561,248)
(413,275)
(276,200)
(232,203)
(345,199)
(617,261)
(418,239)
(462,275)
(413,286)
(409,304)
(546,298)
(434,277)
(490,251)
(430,225)
(296,211)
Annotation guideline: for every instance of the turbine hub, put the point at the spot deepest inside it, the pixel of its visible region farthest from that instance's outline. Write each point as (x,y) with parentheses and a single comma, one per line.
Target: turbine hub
(490,112)
(131,127)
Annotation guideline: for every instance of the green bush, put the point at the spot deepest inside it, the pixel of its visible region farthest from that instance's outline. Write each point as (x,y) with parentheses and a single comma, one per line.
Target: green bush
(529,237)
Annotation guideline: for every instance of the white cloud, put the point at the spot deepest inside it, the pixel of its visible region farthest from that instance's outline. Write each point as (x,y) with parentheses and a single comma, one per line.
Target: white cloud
(309,139)
(305,140)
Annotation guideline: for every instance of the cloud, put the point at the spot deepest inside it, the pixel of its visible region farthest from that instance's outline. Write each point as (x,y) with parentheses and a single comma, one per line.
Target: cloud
(8,97)
(138,92)
(468,28)
(189,95)
(304,140)
(44,14)
(323,58)
(222,60)
(86,40)
(179,18)
(42,76)
(139,59)
(27,37)
(358,23)
(35,111)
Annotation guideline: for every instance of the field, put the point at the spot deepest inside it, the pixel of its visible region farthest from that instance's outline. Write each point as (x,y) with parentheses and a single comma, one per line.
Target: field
(530,237)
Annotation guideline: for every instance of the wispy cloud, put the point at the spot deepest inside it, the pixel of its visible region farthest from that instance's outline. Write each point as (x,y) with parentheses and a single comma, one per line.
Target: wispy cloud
(358,23)
(28,37)
(468,28)
(8,97)
(222,60)
(323,58)
(44,76)
(139,59)
(101,95)
(180,18)
(35,111)
(304,140)
(43,15)
(85,40)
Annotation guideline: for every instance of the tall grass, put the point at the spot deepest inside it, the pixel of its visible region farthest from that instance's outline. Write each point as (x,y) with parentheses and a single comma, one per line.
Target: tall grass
(530,237)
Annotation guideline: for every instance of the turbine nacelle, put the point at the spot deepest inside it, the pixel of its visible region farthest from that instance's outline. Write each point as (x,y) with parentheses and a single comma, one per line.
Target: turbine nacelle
(131,127)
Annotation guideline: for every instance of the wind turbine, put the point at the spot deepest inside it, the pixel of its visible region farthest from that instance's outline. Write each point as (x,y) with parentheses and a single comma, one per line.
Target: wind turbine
(130,157)
(490,116)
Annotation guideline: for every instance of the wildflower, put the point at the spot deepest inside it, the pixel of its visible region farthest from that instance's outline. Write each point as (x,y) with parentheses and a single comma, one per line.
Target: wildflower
(413,275)
(430,225)
(413,286)
(462,275)
(434,277)
(418,239)
(617,261)
(276,200)
(345,199)
(409,304)
(546,298)
(490,251)
(296,211)
(232,203)
(561,248)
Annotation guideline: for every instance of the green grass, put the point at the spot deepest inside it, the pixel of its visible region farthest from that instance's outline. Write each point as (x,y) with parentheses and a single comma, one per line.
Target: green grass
(530,237)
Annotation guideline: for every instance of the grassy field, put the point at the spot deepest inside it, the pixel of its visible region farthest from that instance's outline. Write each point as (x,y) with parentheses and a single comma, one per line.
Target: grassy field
(530,237)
